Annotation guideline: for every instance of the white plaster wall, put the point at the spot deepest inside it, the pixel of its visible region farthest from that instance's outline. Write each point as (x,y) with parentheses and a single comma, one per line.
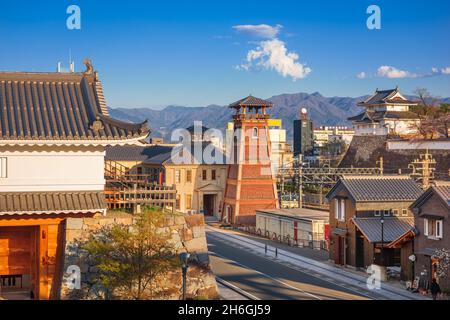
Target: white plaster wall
(53,170)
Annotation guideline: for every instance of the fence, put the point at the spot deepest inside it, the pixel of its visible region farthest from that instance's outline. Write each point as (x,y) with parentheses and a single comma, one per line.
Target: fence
(300,243)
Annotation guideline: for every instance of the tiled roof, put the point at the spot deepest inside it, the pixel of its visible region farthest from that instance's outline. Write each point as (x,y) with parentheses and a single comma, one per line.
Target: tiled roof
(251,101)
(442,191)
(384,96)
(147,154)
(378,188)
(58,106)
(377,116)
(393,229)
(51,202)
(218,157)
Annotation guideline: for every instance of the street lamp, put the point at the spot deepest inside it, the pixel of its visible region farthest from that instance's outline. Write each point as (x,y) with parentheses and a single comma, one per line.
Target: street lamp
(184,258)
(382,240)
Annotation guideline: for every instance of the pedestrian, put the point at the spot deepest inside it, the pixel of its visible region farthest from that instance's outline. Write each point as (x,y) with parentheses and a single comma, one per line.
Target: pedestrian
(435,289)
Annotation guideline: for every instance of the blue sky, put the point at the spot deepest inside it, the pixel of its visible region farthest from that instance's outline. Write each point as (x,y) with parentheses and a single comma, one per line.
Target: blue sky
(156,53)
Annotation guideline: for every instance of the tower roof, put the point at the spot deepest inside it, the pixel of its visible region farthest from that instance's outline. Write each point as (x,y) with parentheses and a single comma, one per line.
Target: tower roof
(390,96)
(251,101)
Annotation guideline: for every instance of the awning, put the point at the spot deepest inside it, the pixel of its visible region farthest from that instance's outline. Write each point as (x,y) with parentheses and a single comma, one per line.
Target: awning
(428,252)
(394,228)
(50,202)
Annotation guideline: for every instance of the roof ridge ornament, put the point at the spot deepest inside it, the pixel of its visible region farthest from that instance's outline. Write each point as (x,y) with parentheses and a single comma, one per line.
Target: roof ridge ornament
(89,67)
(97,125)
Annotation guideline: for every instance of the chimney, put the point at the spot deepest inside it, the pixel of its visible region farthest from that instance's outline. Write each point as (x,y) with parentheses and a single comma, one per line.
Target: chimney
(58,67)
(72,66)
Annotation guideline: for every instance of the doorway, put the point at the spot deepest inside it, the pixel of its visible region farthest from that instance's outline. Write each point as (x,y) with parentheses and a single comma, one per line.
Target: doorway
(208,204)
(18,262)
(359,251)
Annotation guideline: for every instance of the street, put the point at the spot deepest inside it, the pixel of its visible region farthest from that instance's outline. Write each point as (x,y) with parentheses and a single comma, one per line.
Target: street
(269,280)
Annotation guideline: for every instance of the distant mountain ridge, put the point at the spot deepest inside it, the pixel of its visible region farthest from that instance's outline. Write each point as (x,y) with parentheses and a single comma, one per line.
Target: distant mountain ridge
(328,111)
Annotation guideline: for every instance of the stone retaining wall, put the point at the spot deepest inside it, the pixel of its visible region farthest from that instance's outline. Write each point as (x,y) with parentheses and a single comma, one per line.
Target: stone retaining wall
(188,235)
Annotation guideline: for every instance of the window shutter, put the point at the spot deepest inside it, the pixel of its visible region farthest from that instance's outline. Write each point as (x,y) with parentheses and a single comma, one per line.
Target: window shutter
(425,227)
(439,227)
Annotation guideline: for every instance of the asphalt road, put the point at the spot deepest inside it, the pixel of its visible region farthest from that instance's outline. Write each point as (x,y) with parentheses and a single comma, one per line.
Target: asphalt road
(268,280)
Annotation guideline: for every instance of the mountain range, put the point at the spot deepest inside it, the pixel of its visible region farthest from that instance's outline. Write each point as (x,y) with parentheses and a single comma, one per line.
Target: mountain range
(327,111)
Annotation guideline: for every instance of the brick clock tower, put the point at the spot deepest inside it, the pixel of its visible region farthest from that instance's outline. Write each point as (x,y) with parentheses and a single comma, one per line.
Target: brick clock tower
(251,184)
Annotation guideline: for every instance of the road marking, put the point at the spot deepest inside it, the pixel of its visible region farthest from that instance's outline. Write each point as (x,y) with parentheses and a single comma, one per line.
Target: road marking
(242,292)
(307,271)
(270,277)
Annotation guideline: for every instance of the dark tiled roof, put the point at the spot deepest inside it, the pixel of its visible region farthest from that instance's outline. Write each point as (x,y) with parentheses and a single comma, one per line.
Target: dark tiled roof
(217,155)
(442,191)
(149,154)
(251,101)
(376,116)
(58,106)
(378,188)
(384,96)
(393,229)
(51,202)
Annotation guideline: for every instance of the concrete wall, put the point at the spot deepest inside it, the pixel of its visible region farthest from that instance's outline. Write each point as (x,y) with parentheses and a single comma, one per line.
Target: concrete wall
(43,168)
(188,235)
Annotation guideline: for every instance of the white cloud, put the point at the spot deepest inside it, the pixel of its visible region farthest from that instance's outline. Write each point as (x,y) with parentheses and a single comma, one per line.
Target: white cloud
(261,30)
(361,75)
(273,55)
(392,72)
(445,70)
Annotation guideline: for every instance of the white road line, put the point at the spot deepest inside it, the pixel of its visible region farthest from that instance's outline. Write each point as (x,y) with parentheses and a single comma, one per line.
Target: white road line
(307,271)
(242,292)
(270,277)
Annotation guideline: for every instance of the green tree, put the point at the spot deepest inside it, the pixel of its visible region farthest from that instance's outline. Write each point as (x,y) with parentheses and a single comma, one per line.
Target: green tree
(130,257)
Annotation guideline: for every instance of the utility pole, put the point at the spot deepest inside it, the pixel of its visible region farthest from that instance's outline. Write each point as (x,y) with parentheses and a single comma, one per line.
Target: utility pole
(423,169)
(380,162)
(300,181)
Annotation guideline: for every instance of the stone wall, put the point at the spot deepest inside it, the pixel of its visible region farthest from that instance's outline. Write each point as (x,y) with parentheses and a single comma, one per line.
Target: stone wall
(187,235)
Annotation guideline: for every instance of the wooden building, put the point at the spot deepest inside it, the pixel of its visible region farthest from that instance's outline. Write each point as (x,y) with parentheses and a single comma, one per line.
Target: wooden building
(251,183)
(53,131)
(370,221)
(432,216)
(199,184)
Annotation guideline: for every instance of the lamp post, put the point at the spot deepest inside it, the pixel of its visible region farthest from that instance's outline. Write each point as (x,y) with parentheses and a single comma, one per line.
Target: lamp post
(382,240)
(184,258)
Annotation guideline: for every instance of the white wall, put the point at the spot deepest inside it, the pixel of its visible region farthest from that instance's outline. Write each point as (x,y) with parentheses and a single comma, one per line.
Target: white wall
(52,169)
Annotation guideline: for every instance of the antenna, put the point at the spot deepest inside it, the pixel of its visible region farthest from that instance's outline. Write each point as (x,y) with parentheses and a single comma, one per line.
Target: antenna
(71,62)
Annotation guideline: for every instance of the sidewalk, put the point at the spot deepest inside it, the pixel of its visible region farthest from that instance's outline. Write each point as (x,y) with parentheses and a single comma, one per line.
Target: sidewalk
(314,262)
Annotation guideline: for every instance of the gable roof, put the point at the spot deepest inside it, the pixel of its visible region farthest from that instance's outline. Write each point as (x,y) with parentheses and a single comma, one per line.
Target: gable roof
(442,191)
(393,228)
(377,188)
(156,154)
(385,96)
(51,107)
(218,157)
(251,101)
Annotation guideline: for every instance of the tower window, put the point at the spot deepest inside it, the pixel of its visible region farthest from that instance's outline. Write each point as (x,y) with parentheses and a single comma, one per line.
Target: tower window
(255,133)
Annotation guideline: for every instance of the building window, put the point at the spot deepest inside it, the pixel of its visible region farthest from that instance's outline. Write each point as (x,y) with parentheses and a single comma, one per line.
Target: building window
(395,213)
(177,176)
(3,167)
(433,228)
(188,175)
(377,213)
(177,202)
(387,213)
(213,174)
(188,202)
(255,133)
(339,209)
(404,212)
(204,175)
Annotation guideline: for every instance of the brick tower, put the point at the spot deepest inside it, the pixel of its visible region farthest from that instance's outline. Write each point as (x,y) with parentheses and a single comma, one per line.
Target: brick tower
(251,184)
